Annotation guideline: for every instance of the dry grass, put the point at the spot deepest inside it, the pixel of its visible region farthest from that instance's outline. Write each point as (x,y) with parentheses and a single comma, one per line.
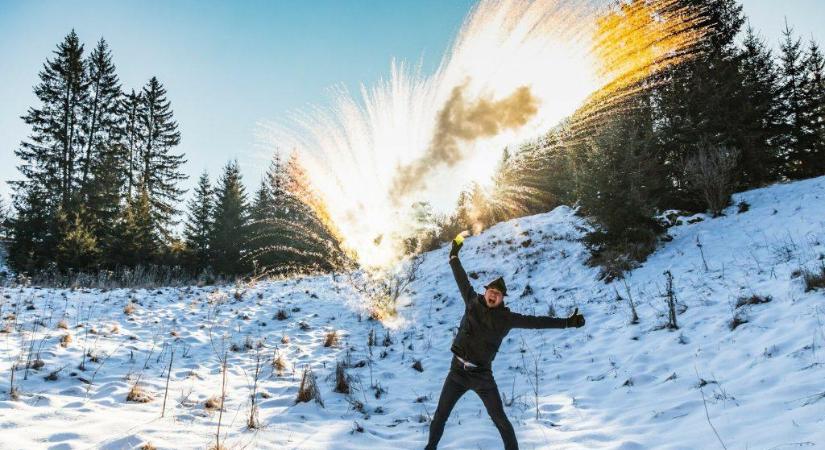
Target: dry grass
(138,395)
(212,403)
(115,329)
(331,339)
(753,300)
(62,325)
(284,339)
(341,380)
(279,364)
(148,446)
(814,279)
(65,340)
(129,309)
(308,390)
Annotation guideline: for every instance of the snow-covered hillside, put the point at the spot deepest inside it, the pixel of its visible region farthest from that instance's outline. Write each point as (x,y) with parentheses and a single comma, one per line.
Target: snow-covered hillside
(611,384)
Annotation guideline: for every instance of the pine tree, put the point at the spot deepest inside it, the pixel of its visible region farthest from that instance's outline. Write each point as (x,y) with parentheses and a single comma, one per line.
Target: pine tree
(813,97)
(103,115)
(78,248)
(132,141)
(313,235)
(269,230)
(138,243)
(198,226)
(105,201)
(50,156)
(795,139)
(761,120)
(159,168)
(701,99)
(230,219)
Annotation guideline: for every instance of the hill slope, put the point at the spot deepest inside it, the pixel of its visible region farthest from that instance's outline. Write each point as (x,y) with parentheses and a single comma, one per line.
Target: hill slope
(608,385)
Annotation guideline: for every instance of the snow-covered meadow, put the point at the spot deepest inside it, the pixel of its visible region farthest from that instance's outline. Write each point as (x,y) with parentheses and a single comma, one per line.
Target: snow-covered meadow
(745,367)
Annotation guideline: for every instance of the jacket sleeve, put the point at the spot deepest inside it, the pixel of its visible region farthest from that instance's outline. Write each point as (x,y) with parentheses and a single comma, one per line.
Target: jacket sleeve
(467,292)
(521,321)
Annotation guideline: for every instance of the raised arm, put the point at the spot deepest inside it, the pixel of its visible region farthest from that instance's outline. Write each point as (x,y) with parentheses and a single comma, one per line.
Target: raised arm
(521,321)
(467,292)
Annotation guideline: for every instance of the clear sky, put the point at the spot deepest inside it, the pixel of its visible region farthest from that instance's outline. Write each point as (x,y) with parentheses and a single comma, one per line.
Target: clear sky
(228,65)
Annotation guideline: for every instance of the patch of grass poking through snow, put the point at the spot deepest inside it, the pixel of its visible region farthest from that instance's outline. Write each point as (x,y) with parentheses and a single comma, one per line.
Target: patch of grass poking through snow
(147,446)
(65,340)
(212,403)
(814,279)
(137,395)
(341,379)
(331,339)
(308,390)
(754,299)
(279,365)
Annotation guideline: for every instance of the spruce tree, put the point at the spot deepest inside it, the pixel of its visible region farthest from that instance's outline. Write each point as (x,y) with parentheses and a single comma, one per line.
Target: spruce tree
(132,141)
(761,120)
(159,167)
(230,218)
(311,234)
(198,226)
(103,114)
(701,99)
(78,248)
(813,97)
(138,243)
(50,156)
(795,139)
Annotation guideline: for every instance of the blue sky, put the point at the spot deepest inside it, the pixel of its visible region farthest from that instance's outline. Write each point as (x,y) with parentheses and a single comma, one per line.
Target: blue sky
(227,65)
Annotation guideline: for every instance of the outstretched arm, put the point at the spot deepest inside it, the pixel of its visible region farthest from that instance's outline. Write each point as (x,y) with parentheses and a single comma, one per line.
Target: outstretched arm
(467,292)
(521,321)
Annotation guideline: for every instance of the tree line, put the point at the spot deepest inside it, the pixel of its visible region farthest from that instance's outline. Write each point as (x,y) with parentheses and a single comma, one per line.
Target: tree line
(100,187)
(735,116)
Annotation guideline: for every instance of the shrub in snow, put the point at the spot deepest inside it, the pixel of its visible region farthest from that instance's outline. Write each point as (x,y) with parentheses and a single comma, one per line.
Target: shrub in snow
(341,379)
(308,390)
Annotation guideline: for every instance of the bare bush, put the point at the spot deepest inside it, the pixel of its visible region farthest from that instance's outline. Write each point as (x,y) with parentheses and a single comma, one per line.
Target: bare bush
(711,171)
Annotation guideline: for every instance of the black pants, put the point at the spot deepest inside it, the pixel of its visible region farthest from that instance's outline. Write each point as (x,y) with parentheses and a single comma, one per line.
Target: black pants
(482,383)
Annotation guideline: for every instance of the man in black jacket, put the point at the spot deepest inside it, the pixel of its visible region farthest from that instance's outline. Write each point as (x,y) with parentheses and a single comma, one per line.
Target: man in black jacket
(485,323)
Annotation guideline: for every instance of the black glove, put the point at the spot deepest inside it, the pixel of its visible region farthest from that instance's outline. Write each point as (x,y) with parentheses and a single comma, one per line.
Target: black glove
(575,319)
(457,243)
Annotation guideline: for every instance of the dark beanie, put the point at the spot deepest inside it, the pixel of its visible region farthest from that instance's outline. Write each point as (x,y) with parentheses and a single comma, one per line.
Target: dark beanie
(498,283)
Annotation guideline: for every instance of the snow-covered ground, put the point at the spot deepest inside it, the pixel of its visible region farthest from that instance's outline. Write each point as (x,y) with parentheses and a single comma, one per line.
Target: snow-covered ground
(611,384)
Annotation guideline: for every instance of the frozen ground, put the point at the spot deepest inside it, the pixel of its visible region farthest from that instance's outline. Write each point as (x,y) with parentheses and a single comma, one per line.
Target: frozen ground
(611,384)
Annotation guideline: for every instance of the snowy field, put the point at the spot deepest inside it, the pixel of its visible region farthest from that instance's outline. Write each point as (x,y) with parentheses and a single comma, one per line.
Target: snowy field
(611,384)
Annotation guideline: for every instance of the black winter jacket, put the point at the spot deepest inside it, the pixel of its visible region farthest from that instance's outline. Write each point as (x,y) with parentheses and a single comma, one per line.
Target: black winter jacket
(483,328)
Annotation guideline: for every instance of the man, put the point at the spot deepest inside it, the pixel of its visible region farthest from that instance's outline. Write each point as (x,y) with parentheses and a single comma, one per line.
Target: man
(485,323)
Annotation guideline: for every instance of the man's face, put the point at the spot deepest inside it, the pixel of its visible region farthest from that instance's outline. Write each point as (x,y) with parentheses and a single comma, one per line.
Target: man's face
(493,297)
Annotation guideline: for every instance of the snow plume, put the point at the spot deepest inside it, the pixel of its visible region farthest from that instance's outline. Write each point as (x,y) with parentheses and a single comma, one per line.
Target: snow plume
(465,121)
(514,71)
